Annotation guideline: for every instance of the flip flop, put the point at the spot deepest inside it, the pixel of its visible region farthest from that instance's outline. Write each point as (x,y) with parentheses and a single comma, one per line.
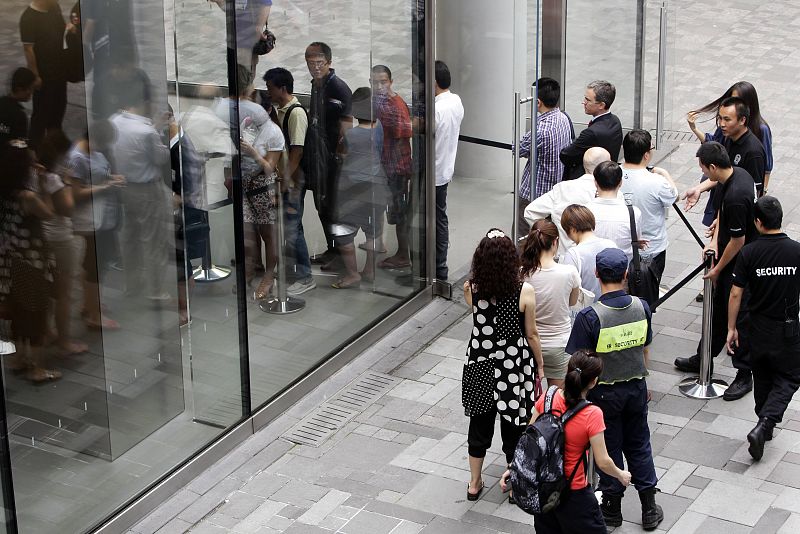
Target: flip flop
(340,285)
(387,264)
(475,496)
(105,324)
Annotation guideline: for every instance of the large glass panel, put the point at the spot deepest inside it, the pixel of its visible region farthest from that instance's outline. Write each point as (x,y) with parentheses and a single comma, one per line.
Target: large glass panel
(122,367)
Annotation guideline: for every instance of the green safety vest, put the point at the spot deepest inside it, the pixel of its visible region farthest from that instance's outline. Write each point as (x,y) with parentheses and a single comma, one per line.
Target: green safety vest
(623,333)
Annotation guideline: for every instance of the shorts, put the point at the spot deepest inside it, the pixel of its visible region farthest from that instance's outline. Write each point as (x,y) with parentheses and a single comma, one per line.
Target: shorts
(555,362)
(64,253)
(400,189)
(99,245)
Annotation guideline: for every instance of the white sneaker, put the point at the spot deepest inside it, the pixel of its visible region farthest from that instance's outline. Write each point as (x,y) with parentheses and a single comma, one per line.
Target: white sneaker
(300,287)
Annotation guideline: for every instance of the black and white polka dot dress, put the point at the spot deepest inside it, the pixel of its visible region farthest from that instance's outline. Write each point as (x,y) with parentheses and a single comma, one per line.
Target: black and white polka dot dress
(499,370)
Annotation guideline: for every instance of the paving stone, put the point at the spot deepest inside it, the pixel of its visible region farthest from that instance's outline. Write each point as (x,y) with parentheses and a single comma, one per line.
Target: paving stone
(240,505)
(438,495)
(299,493)
(175,526)
(408,527)
(791,526)
(260,517)
(712,525)
(323,507)
(204,527)
(370,523)
(443,525)
(688,523)
(687,492)
(363,453)
(772,521)
(786,474)
(700,448)
(673,505)
(734,503)
(675,476)
(400,511)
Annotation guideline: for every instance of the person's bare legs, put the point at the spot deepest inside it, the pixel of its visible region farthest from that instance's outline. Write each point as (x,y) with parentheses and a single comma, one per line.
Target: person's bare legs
(266,233)
(348,254)
(63,287)
(475,480)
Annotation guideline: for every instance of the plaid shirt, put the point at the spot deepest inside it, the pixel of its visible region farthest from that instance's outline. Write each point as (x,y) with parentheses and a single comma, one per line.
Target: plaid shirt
(396,122)
(554,132)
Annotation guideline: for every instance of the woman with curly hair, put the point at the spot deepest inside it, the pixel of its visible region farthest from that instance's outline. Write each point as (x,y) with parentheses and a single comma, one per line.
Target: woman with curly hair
(504,359)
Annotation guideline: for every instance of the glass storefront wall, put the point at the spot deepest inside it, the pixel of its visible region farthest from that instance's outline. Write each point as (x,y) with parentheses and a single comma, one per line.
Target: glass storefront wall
(176,252)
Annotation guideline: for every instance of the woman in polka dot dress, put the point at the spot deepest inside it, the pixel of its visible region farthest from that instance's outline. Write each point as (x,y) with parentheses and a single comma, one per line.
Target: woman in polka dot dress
(504,358)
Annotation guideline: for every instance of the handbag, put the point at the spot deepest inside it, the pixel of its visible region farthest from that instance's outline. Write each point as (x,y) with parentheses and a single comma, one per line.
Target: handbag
(642,281)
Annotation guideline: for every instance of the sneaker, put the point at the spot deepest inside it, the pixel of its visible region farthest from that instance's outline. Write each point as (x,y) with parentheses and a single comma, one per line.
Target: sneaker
(301,286)
(741,386)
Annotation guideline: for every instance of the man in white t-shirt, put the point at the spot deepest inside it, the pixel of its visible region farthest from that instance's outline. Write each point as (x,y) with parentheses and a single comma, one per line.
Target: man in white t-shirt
(652,191)
(612,218)
(580,191)
(449,114)
(578,222)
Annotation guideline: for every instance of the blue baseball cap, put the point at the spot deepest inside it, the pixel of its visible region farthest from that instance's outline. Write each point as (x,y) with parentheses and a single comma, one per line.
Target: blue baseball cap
(611,263)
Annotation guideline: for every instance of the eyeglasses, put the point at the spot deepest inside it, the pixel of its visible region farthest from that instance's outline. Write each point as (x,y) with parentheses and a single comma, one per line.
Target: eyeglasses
(316,64)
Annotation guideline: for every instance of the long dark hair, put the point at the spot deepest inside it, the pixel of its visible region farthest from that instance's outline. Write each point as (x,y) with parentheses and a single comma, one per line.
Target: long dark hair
(542,236)
(495,267)
(584,366)
(17,161)
(746,92)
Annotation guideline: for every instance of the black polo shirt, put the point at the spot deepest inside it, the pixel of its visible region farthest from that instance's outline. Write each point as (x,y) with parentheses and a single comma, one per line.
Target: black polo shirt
(13,121)
(770,268)
(736,208)
(747,153)
(329,104)
(45,31)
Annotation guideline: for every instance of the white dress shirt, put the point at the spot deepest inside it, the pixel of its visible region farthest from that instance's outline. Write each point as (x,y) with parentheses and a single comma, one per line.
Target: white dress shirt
(653,194)
(613,222)
(140,154)
(449,114)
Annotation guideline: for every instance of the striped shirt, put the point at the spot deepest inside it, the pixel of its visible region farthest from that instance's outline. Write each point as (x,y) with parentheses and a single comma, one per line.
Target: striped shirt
(554,132)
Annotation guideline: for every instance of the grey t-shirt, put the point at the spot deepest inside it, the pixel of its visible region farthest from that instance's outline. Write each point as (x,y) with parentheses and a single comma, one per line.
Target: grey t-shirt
(583,257)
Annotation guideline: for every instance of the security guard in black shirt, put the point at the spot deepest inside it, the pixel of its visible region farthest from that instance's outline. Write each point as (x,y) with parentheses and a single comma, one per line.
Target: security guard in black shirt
(770,268)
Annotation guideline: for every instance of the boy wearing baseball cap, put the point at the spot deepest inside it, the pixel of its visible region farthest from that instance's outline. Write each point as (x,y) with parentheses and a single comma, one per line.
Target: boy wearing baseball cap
(617,327)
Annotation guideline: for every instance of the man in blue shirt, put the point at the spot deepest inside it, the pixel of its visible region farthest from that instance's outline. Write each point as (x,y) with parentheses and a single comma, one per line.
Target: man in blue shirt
(617,327)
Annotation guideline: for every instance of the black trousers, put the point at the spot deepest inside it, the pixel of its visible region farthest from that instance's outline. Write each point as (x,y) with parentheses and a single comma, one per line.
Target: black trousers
(49,107)
(579,514)
(658,264)
(719,323)
(776,368)
(481,432)
(442,232)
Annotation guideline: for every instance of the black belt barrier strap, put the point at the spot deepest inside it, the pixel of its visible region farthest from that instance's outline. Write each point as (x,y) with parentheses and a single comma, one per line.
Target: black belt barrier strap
(677,286)
(688,225)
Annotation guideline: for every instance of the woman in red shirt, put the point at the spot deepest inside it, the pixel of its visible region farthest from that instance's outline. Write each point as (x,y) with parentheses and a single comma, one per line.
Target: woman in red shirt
(580,512)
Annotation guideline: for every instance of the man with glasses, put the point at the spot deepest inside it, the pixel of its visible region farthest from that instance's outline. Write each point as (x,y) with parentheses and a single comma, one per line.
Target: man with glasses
(650,189)
(604,129)
(328,120)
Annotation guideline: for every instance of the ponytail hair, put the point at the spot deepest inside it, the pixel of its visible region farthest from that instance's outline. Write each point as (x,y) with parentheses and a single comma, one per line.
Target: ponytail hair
(542,236)
(584,366)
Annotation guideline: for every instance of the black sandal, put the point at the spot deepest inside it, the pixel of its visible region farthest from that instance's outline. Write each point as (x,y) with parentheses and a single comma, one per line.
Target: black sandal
(475,496)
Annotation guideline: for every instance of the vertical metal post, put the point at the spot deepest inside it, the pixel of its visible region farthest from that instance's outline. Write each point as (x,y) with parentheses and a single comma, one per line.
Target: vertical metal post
(429,78)
(515,168)
(534,159)
(281,304)
(638,86)
(662,74)
(705,386)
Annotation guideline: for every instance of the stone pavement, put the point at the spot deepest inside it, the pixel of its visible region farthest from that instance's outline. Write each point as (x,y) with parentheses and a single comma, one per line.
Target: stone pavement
(400,466)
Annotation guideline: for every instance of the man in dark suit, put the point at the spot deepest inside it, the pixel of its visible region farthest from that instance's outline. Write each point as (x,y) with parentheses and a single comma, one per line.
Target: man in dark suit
(604,129)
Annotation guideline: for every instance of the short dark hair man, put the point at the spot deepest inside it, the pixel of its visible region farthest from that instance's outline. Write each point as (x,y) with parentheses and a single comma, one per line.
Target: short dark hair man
(734,229)
(392,112)
(329,119)
(604,130)
(769,268)
(652,191)
(449,112)
(612,218)
(554,131)
(13,120)
(293,120)
(618,328)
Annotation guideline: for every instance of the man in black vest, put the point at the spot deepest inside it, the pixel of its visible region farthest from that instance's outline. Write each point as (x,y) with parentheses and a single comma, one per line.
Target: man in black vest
(770,268)
(604,129)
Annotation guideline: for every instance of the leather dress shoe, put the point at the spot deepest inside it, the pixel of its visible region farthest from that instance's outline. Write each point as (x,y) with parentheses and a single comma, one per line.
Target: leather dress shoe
(757,437)
(688,365)
(741,386)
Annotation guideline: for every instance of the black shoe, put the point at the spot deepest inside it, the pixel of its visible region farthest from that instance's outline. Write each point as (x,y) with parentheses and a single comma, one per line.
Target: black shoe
(652,514)
(688,365)
(741,386)
(757,437)
(612,510)
(699,297)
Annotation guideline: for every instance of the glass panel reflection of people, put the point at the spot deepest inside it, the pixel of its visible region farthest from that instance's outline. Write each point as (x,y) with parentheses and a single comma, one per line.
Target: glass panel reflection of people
(262,144)
(252,17)
(362,192)
(329,118)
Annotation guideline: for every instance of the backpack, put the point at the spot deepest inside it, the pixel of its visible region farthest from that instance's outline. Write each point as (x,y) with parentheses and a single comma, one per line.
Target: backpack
(537,471)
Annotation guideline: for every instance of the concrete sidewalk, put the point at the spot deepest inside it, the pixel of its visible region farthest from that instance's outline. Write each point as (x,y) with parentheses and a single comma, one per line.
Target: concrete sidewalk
(399,466)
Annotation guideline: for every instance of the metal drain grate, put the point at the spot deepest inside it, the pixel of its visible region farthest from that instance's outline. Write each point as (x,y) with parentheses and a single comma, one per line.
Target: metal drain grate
(332,415)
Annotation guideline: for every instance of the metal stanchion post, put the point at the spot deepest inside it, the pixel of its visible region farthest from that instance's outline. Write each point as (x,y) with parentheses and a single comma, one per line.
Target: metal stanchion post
(705,386)
(518,102)
(282,303)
